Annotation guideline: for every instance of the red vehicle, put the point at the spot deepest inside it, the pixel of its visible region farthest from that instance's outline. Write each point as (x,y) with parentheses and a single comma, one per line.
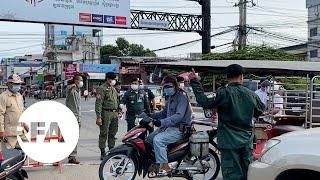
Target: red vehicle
(136,156)
(283,124)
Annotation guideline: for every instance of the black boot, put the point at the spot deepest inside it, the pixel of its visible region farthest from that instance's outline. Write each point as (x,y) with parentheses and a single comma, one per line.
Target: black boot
(103,154)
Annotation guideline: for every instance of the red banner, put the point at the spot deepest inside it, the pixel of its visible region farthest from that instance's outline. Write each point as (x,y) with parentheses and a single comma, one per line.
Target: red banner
(71,70)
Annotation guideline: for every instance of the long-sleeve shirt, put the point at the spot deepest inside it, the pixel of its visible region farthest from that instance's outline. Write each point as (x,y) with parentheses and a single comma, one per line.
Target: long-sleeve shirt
(73,100)
(176,111)
(11,108)
(237,106)
(107,99)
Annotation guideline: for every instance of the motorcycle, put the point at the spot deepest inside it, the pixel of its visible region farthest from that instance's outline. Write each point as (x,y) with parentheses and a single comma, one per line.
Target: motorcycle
(280,125)
(10,169)
(136,156)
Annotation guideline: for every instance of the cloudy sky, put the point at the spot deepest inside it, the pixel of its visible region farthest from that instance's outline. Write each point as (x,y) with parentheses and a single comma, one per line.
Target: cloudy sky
(286,18)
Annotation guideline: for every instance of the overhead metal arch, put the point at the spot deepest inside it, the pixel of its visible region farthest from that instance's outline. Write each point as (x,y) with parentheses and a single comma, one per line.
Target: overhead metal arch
(177,22)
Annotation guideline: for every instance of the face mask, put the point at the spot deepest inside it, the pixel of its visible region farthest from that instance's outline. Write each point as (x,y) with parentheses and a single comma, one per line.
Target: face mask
(141,86)
(113,82)
(134,86)
(80,84)
(169,91)
(16,88)
(181,86)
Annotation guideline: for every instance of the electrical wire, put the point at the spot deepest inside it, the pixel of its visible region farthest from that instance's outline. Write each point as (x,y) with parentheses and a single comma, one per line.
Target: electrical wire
(189,42)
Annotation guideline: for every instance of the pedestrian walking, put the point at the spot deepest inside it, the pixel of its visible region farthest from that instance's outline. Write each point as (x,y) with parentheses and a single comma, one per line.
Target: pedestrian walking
(11,108)
(136,102)
(107,109)
(86,94)
(236,106)
(73,103)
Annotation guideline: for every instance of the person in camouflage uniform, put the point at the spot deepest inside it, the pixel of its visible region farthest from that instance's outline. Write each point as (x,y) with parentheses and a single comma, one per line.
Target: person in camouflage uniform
(73,103)
(107,109)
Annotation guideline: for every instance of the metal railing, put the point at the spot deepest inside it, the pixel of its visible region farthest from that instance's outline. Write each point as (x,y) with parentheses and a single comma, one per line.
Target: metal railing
(314,114)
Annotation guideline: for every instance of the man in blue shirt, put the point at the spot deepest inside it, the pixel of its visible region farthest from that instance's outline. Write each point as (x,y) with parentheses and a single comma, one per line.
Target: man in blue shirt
(176,114)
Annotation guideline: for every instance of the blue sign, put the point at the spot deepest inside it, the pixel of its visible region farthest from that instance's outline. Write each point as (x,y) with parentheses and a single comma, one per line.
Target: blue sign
(97,18)
(78,33)
(100,68)
(27,64)
(109,19)
(63,33)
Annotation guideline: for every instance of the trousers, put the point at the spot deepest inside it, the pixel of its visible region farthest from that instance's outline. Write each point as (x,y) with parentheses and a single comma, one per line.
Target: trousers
(235,163)
(160,139)
(108,129)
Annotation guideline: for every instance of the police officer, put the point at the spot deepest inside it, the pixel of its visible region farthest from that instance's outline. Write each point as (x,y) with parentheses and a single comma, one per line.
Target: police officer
(73,103)
(11,108)
(150,96)
(136,102)
(236,106)
(107,107)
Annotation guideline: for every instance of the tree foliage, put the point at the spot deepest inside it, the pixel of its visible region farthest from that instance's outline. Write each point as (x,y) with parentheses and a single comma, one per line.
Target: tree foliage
(124,48)
(253,53)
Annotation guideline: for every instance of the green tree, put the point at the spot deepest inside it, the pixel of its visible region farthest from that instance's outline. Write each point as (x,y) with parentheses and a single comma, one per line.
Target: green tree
(253,53)
(123,45)
(124,48)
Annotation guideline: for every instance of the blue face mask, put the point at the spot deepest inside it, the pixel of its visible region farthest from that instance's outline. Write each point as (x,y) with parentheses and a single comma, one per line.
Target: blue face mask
(169,91)
(141,87)
(16,88)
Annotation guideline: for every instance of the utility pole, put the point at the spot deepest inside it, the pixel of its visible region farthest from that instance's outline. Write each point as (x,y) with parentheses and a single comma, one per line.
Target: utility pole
(242,32)
(206,26)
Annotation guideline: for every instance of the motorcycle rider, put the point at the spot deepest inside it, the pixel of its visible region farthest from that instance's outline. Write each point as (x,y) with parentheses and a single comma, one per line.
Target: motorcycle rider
(171,120)
(236,106)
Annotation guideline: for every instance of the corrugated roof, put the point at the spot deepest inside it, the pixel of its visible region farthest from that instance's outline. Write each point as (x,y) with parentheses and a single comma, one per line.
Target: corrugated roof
(252,65)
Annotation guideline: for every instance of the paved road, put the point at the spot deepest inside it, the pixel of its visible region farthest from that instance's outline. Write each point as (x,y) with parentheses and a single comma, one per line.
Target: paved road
(88,150)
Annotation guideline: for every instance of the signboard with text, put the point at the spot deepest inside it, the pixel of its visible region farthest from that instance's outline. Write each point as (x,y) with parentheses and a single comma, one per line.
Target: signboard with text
(157,24)
(103,13)
(99,68)
(130,70)
(71,70)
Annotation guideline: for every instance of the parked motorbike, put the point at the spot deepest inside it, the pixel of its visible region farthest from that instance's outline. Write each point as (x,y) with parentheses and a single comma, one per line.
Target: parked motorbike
(10,169)
(281,125)
(189,157)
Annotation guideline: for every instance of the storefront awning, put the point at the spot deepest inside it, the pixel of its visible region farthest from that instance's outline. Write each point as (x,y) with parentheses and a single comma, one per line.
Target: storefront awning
(97,76)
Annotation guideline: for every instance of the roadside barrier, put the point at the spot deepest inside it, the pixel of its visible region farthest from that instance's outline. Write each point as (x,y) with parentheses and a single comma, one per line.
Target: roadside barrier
(32,164)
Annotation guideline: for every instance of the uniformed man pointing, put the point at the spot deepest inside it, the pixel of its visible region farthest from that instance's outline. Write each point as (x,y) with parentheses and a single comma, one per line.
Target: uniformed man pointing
(107,107)
(236,106)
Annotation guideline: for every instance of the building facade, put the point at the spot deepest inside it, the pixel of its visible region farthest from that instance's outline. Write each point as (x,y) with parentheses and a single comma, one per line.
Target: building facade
(313,29)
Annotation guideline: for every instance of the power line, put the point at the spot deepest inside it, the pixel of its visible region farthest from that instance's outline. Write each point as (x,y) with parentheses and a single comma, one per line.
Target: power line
(189,42)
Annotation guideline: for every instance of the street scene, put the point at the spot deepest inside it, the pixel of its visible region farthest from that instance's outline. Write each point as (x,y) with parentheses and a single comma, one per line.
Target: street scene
(161,89)
(89,154)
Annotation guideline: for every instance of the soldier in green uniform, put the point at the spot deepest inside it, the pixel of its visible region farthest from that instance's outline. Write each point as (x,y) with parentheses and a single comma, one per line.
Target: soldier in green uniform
(136,102)
(107,108)
(73,103)
(236,107)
